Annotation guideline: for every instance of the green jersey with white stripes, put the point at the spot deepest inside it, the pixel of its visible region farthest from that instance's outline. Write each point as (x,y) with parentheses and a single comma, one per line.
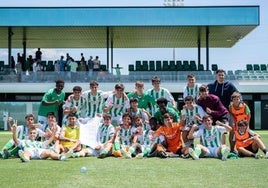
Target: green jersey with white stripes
(119,105)
(94,103)
(105,133)
(126,136)
(211,138)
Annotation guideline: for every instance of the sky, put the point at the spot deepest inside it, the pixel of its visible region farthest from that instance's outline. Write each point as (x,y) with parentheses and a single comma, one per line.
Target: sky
(251,49)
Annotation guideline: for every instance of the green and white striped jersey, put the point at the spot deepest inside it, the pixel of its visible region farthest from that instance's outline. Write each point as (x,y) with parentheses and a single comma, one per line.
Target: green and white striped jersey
(80,104)
(211,138)
(162,93)
(31,144)
(105,133)
(119,105)
(95,104)
(191,91)
(125,136)
(189,114)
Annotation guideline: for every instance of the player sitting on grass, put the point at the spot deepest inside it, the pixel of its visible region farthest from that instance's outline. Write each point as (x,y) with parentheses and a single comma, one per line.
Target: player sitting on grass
(32,149)
(124,137)
(69,138)
(48,129)
(172,133)
(10,149)
(105,137)
(211,140)
(191,114)
(248,142)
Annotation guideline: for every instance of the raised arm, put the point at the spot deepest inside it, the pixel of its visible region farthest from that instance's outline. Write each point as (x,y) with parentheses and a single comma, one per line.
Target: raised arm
(14,132)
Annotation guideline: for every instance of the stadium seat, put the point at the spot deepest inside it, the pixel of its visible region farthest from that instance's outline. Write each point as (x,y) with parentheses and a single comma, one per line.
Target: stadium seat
(138,66)
(165,66)
(158,66)
(103,67)
(43,65)
(193,66)
(214,67)
(50,66)
(249,67)
(2,65)
(263,67)
(151,65)
(201,67)
(130,67)
(172,66)
(179,66)
(256,67)
(186,65)
(145,66)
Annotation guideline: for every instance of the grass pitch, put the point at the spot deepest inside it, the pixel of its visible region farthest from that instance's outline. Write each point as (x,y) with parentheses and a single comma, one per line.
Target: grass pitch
(147,172)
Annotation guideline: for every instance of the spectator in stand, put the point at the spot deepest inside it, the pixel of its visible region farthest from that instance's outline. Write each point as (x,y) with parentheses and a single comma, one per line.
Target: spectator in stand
(118,72)
(90,66)
(18,70)
(73,69)
(62,66)
(68,57)
(12,62)
(82,68)
(36,70)
(96,66)
(19,57)
(82,58)
(38,55)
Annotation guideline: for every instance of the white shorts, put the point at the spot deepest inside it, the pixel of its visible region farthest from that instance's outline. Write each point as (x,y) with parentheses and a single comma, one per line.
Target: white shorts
(93,152)
(212,152)
(35,152)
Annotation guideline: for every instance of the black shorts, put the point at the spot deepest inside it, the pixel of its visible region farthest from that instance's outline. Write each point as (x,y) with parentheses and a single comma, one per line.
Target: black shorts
(249,148)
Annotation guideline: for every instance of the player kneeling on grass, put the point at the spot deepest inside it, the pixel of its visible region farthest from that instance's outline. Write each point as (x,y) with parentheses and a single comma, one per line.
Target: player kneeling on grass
(248,142)
(32,149)
(212,140)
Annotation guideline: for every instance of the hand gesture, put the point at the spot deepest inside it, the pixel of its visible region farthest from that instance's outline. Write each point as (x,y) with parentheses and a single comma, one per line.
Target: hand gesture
(13,128)
(208,110)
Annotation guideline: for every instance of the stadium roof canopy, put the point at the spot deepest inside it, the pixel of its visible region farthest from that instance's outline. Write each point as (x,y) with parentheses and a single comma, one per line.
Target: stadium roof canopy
(125,27)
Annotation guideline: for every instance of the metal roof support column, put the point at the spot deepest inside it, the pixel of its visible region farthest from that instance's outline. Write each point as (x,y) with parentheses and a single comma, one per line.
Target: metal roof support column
(10,33)
(24,51)
(198,48)
(112,54)
(207,48)
(107,47)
